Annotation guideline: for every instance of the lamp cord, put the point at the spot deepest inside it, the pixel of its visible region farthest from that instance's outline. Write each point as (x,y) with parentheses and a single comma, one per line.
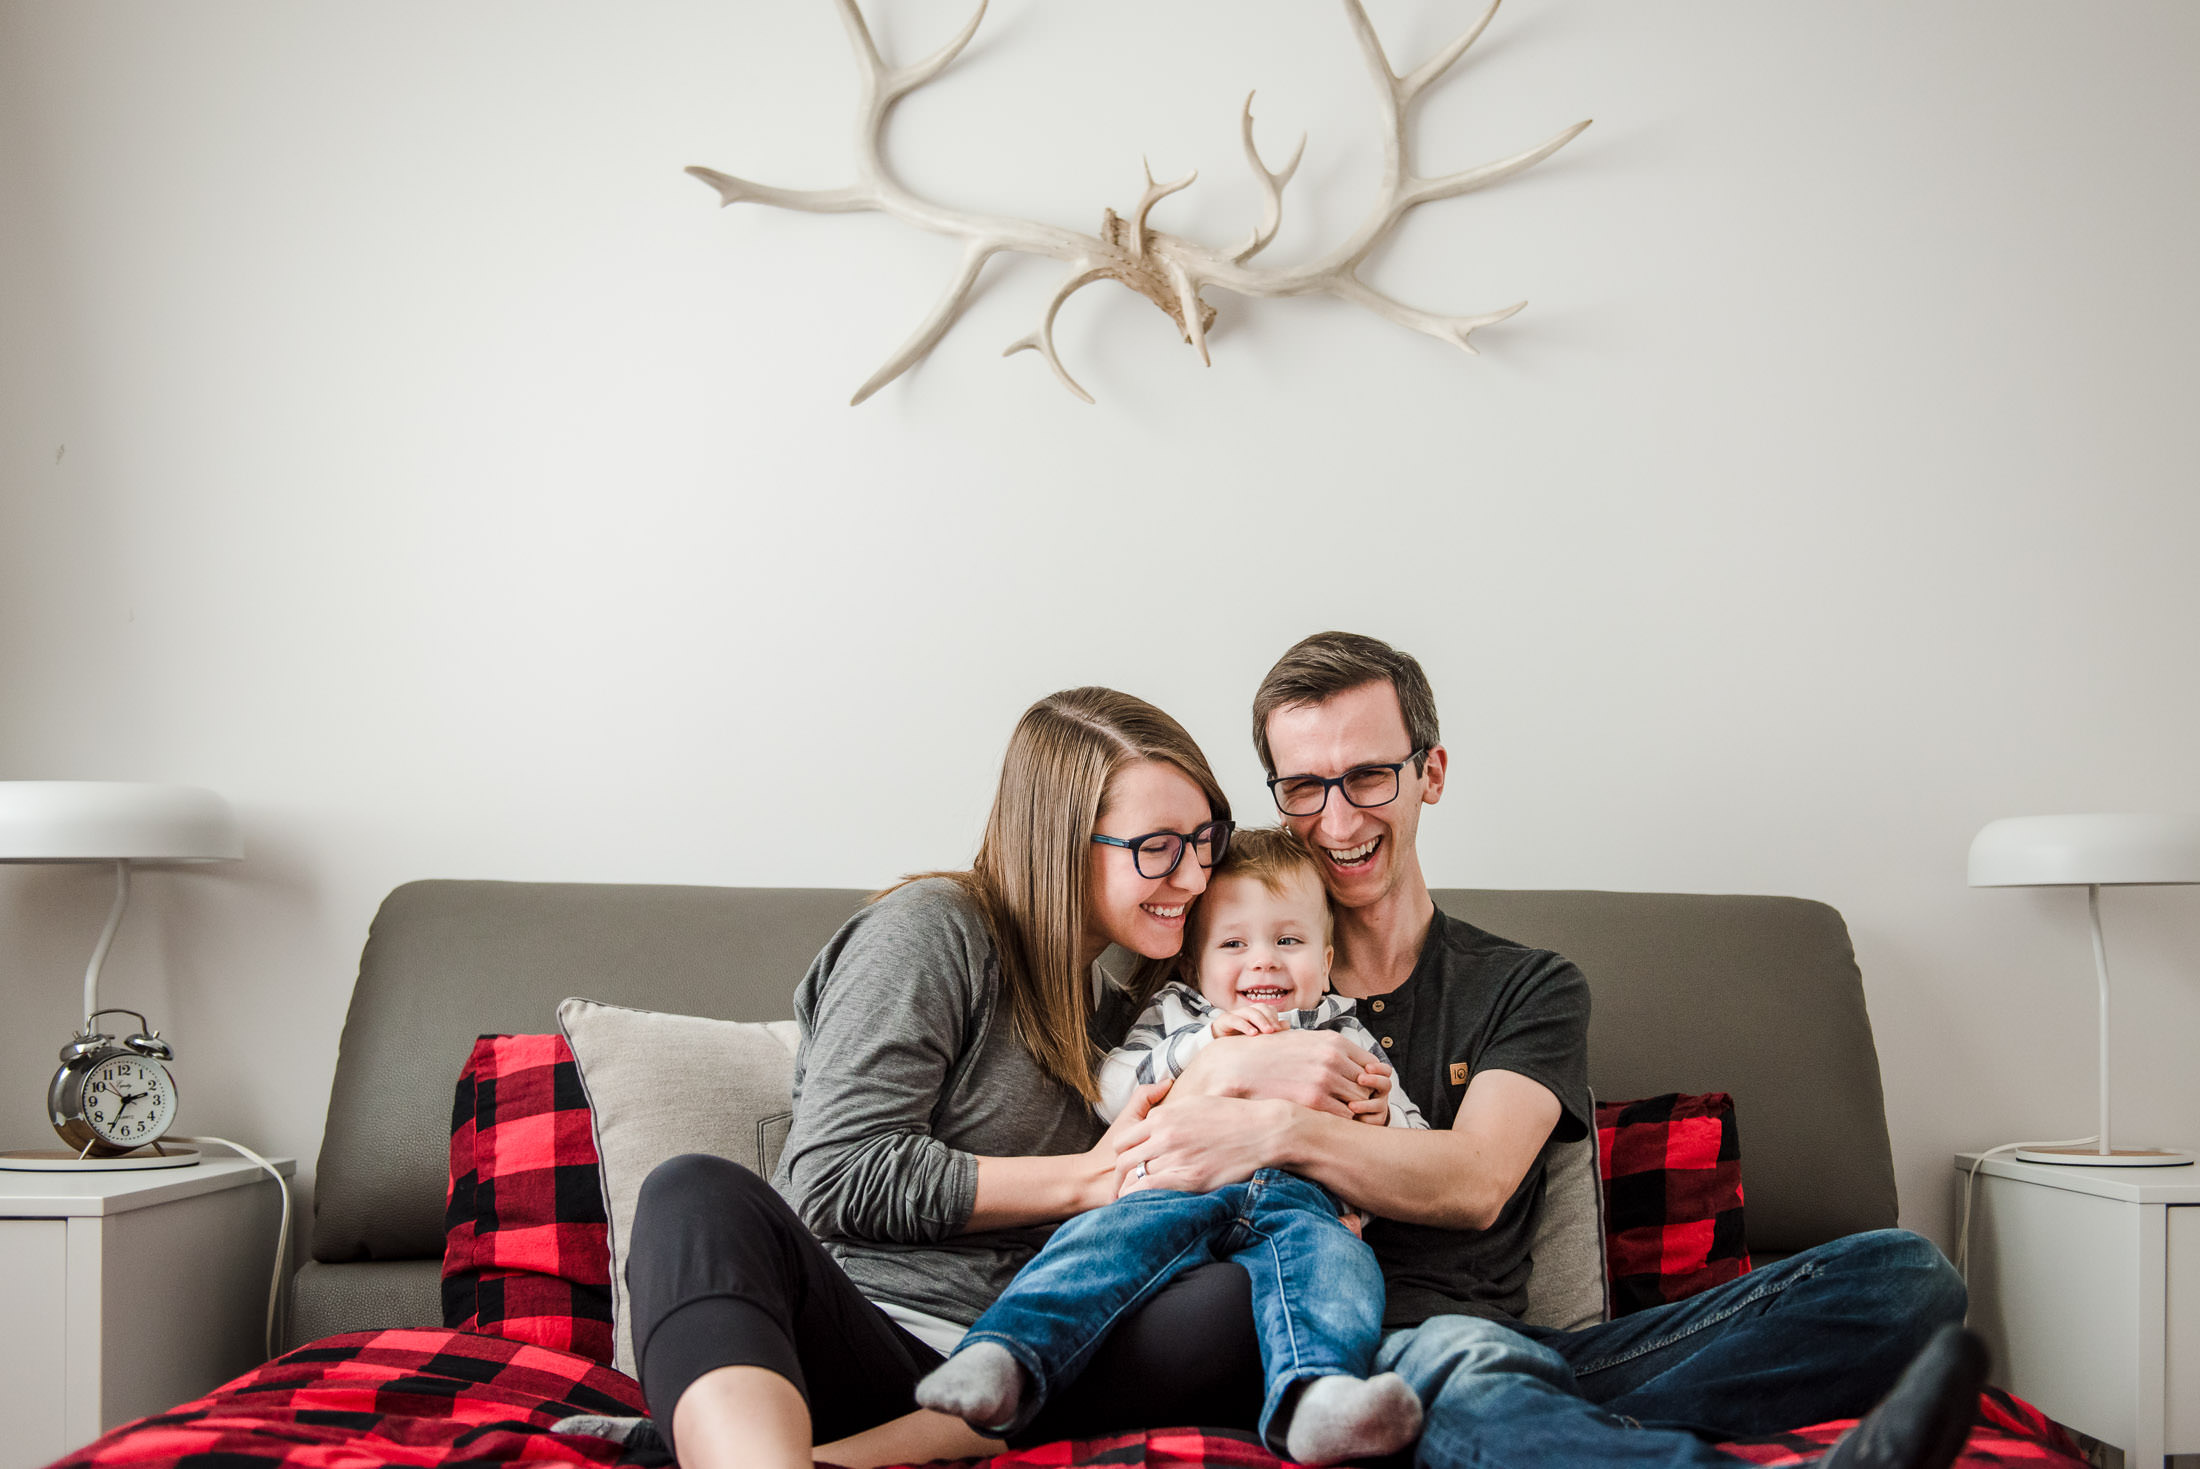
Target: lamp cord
(282,1230)
(2100,967)
(106,940)
(1970,1177)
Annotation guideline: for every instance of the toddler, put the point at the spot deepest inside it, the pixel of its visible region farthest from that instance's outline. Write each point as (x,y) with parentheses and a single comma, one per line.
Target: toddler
(1260,943)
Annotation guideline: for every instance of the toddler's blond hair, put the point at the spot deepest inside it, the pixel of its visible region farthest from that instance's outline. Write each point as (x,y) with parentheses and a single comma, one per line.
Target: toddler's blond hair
(1270,854)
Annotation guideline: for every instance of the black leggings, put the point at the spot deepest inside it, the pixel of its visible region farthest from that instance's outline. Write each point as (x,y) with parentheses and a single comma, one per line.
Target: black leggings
(723,1274)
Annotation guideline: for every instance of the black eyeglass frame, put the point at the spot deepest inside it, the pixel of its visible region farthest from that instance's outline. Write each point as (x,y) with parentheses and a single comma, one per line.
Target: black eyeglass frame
(1221,827)
(1336,783)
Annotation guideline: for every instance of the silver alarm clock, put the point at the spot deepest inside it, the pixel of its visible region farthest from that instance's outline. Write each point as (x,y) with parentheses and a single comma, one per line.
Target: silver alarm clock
(112,1096)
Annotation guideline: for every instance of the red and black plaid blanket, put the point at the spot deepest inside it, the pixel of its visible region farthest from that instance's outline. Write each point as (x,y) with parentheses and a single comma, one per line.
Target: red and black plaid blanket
(448,1397)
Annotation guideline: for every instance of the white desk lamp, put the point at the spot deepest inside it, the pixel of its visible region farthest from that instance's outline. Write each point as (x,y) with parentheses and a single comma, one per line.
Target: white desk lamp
(2091,852)
(118,822)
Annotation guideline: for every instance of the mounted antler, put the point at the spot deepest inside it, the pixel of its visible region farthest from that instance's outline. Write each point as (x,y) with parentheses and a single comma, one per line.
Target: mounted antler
(1166,269)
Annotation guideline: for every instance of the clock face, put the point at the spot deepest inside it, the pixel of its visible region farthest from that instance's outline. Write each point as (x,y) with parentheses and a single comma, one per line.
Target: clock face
(129,1101)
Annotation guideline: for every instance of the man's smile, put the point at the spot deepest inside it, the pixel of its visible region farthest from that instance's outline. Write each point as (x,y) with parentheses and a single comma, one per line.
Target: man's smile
(1349,857)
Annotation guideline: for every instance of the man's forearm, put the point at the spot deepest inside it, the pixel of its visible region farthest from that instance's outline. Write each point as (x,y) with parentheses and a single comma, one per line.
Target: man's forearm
(1459,1177)
(1454,1178)
(1311,1068)
(1436,1177)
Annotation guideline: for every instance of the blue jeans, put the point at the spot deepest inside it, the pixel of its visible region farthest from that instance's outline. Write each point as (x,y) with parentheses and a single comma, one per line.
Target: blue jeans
(1819,1335)
(1317,1291)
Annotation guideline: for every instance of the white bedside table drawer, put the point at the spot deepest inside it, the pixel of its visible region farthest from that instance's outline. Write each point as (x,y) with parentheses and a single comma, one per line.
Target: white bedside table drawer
(2184,1328)
(33,1298)
(2055,1287)
(2085,1281)
(125,1293)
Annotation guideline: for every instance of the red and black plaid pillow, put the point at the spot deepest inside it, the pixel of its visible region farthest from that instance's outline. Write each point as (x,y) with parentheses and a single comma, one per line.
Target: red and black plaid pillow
(527,1257)
(1672,1168)
(526,1251)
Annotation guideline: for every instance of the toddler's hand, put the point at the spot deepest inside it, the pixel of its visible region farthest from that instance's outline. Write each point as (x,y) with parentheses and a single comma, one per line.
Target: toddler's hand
(1375,1107)
(1245,1020)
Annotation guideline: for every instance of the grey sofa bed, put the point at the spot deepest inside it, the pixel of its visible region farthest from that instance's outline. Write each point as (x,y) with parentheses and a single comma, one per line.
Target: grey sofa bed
(1755,996)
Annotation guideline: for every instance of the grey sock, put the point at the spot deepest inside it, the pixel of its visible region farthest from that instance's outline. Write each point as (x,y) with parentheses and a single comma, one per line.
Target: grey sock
(598,1425)
(981,1384)
(1340,1418)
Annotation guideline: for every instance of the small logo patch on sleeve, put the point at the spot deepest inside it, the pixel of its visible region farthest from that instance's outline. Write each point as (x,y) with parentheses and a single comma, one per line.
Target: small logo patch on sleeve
(1458,1073)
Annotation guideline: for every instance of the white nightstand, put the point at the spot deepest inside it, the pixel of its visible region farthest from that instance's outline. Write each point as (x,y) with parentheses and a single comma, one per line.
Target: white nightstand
(125,1293)
(2086,1283)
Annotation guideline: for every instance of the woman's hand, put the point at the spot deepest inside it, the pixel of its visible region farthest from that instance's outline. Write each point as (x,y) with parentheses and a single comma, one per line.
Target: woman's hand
(1106,1154)
(1245,1020)
(1312,1068)
(1142,1101)
(1198,1144)
(1013,1192)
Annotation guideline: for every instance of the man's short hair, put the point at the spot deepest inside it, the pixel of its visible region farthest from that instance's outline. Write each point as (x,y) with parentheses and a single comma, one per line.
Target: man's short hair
(1328,664)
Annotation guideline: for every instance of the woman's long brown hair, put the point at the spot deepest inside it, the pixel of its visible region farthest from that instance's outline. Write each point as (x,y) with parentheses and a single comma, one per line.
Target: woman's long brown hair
(1032,873)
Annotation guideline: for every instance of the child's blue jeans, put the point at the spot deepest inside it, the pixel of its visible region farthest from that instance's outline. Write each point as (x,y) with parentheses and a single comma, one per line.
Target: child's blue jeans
(1317,1291)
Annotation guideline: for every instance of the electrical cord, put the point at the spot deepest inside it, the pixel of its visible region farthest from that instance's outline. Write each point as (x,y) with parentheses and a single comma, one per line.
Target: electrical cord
(282,1230)
(1970,1177)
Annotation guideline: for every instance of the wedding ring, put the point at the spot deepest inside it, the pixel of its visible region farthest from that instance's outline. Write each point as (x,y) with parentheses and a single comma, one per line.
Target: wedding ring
(1138,1171)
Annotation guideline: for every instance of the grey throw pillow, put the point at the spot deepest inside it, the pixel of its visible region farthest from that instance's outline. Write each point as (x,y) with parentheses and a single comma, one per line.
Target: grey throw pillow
(734,1100)
(1566,1280)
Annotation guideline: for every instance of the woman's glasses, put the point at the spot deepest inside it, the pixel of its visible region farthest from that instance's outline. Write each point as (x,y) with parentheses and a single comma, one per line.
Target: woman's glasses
(1363,786)
(1157,853)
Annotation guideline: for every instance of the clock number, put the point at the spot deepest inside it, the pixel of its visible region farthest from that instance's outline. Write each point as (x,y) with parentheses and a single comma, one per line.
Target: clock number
(127,1101)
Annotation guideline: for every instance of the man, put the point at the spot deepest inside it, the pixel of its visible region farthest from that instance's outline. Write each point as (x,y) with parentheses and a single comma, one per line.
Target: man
(1489,1039)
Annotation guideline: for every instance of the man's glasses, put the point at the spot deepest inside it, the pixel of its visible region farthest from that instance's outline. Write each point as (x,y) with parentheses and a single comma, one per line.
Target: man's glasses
(1157,853)
(1362,786)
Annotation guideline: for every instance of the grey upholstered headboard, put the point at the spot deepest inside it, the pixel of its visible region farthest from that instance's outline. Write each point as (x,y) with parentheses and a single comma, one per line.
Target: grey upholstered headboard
(1759,997)
(1755,996)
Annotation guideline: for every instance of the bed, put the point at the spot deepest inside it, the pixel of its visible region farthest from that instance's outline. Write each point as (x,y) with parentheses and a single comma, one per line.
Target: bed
(399,1358)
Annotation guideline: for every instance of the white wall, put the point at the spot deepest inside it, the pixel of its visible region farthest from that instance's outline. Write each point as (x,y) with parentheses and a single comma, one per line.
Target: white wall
(392,438)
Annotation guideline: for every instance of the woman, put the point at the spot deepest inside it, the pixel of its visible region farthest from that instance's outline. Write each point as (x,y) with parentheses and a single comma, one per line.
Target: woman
(942,1120)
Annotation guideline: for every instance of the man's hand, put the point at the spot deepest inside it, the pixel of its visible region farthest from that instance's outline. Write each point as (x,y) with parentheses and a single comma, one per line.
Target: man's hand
(1245,1020)
(1311,1068)
(1199,1143)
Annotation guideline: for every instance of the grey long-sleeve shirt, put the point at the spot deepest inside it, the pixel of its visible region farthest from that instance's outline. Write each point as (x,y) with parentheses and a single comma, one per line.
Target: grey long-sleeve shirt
(907,1073)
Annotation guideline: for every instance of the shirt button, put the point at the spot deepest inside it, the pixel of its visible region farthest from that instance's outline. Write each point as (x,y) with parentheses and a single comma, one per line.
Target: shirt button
(1378,1007)
(1386,1042)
